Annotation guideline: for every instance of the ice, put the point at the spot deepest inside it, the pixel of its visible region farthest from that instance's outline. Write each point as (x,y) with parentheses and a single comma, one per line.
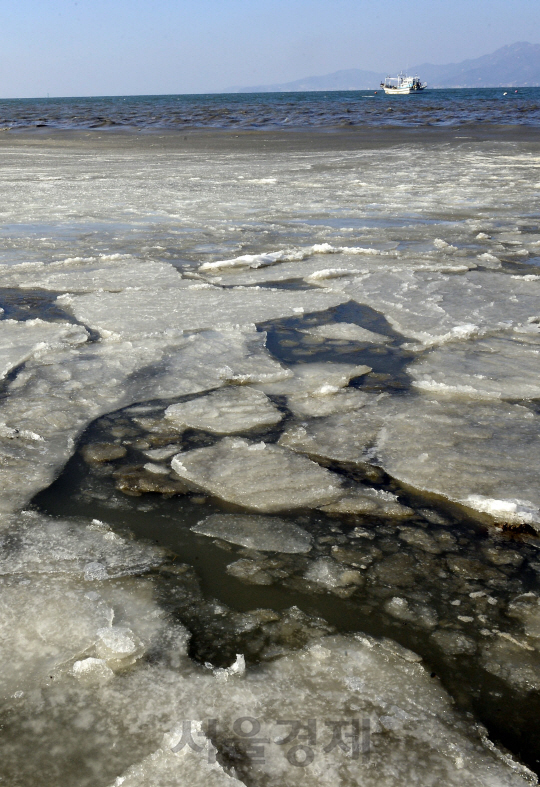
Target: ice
(257,476)
(256,532)
(348,332)
(501,367)
(118,646)
(342,438)
(365,500)
(316,379)
(45,623)
(186,767)
(435,309)
(414,732)
(35,544)
(92,671)
(484,456)
(56,396)
(228,410)
(61,593)
(346,400)
(95,275)
(20,341)
(331,575)
(135,313)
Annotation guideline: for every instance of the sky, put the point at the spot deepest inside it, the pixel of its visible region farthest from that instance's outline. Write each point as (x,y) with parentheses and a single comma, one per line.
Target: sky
(141,47)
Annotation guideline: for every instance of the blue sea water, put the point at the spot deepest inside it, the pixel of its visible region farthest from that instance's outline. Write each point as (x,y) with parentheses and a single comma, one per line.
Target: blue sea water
(500,106)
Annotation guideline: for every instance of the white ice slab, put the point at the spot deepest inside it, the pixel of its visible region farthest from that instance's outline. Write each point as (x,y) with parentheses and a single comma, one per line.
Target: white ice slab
(410,722)
(95,274)
(228,410)
(265,533)
(434,309)
(20,341)
(318,379)
(134,313)
(348,332)
(257,476)
(485,456)
(494,368)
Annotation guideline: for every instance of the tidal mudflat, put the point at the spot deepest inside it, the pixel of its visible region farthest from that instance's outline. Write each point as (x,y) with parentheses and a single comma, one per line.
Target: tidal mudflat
(269,436)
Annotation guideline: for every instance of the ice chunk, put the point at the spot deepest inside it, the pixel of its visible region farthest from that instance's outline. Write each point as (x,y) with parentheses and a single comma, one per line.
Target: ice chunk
(228,410)
(490,368)
(365,500)
(256,532)
(345,400)
(176,764)
(97,274)
(330,574)
(435,309)
(347,331)
(257,476)
(483,456)
(118,646)
(92,671)
(414,729)
(343,438)
(46,622)
(20,341)
(40,545)
(317,379)
(134,313)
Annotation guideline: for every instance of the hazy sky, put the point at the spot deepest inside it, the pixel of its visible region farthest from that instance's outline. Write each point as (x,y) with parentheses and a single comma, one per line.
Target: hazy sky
(115,47)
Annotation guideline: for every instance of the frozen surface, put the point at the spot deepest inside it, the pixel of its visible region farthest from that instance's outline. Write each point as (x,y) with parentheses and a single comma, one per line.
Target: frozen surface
(256,532)
(415,734)
(231,409)
(485,456)
(56,396)
(161,251)
(434,309)
(94,274)
(20,341)
(134,313)
(366,500)
(257,476)
(317,379)
(347,331)
(345,437)
(501,367)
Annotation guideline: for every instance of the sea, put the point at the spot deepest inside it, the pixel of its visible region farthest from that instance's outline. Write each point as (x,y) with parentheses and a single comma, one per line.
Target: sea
(270,440)
(278,110)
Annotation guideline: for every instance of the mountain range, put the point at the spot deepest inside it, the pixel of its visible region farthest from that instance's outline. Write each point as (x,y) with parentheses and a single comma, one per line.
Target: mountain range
(516,65)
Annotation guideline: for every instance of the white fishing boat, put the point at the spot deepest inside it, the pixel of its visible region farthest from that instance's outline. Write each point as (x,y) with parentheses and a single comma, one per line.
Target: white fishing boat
(402,85)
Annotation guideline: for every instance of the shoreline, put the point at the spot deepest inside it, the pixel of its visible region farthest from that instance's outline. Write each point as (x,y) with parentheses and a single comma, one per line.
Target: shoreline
(293,139)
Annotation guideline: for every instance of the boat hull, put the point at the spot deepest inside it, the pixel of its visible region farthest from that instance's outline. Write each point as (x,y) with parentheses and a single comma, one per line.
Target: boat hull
(401,91)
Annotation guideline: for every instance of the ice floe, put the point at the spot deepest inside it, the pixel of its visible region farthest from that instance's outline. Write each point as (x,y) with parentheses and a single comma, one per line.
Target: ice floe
(268,534)
(228,410)
(257,476)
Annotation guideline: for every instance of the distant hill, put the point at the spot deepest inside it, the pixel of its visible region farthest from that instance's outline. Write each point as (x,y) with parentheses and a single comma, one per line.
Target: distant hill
(517,65)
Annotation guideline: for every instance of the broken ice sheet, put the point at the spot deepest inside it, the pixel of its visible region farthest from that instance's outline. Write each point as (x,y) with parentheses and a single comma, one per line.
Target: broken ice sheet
(264,533)
(316,379)
(228,410)
(415,731)
(20,341)
(94,274)
(257,476)
(135,313)
(348,332)
(484,456)
(499,367)
(57,395)
(435,309)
